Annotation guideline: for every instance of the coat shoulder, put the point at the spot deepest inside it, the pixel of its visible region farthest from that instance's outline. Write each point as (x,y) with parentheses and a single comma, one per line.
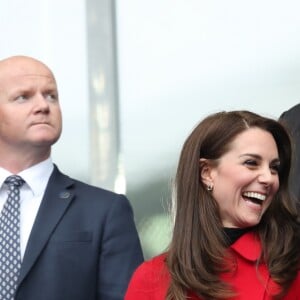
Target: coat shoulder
(150,278)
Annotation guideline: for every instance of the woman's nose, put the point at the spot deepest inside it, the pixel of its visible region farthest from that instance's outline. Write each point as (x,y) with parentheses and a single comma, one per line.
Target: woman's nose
(266,176)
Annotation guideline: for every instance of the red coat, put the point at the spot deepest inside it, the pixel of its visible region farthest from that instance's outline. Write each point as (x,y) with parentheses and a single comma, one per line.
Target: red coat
(151,280)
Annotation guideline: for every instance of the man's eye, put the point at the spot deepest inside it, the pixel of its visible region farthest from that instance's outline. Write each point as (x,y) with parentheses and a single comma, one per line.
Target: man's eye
(21,98)
(51,97)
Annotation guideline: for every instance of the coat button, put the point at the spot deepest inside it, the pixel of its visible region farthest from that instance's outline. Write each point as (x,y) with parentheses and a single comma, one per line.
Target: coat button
(64,195)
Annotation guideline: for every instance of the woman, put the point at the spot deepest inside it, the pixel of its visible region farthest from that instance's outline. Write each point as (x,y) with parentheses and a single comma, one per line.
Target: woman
(236,231)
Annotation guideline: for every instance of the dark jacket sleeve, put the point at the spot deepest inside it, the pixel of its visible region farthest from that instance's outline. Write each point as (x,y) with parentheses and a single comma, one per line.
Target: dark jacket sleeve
(121,251)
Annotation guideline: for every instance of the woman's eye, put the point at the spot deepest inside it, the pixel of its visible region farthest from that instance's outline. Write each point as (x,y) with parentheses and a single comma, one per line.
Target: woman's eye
(250,162)
(275,168)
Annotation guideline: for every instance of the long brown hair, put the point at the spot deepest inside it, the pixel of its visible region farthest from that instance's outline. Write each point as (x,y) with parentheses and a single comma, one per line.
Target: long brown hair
(195,257)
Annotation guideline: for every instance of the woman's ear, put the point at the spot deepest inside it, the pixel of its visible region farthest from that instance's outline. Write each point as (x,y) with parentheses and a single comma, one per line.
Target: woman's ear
(205,172)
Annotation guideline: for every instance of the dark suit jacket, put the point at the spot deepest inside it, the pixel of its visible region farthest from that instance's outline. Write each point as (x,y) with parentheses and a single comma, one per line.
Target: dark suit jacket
(83,245)
(291,118)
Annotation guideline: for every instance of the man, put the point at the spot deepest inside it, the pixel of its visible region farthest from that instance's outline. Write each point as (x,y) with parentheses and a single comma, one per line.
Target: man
(77,242)
(291,118)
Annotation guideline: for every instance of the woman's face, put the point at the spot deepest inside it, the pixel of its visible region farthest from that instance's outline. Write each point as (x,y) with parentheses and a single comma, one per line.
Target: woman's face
(245,179)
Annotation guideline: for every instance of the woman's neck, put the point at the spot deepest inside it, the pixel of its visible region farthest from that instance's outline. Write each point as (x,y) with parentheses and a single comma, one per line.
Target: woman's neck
(233,234)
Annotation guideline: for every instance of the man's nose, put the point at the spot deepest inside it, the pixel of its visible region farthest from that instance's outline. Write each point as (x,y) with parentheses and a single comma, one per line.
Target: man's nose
(41,103)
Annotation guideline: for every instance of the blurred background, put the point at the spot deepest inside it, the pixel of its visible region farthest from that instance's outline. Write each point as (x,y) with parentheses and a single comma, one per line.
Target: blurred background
(135,77)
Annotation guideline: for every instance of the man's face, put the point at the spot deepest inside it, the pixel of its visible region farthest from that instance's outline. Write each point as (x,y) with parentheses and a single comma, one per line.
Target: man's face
(30,114)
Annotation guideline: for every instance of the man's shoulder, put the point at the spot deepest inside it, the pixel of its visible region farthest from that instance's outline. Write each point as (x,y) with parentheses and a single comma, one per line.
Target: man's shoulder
(292,112)
(93,193)
(84,190)
(80,184)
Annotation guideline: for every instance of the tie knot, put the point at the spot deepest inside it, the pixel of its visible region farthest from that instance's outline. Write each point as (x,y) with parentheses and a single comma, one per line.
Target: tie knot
(14,180)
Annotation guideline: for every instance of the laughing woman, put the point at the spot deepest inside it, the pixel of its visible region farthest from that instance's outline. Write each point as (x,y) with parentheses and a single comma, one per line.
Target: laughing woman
(236,231)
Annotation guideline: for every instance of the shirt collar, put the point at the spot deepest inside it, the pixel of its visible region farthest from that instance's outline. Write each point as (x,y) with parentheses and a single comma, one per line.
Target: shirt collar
(36,177)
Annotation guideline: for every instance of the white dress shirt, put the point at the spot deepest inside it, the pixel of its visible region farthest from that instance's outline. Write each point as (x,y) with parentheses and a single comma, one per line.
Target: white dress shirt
(31,194)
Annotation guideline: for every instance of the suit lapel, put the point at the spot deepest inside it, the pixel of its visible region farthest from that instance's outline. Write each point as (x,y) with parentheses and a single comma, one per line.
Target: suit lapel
(56,201)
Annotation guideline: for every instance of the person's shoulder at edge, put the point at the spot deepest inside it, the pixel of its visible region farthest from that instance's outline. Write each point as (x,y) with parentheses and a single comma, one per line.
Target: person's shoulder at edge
(291,111)
(151,277)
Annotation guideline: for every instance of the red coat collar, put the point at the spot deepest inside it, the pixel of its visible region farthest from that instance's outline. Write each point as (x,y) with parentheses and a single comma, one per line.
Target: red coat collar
(248,246)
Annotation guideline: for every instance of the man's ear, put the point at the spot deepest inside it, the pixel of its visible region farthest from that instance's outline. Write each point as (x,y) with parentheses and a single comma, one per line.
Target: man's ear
(205,172)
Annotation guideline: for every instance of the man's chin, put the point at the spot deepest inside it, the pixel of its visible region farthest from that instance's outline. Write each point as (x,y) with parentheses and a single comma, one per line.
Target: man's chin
(44,141)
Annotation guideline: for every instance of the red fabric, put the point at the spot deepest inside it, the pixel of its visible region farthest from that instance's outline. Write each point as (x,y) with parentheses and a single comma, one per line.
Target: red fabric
(151,279)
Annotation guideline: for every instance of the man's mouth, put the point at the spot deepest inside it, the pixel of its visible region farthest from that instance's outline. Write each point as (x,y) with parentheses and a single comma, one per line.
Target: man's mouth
(40,123)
